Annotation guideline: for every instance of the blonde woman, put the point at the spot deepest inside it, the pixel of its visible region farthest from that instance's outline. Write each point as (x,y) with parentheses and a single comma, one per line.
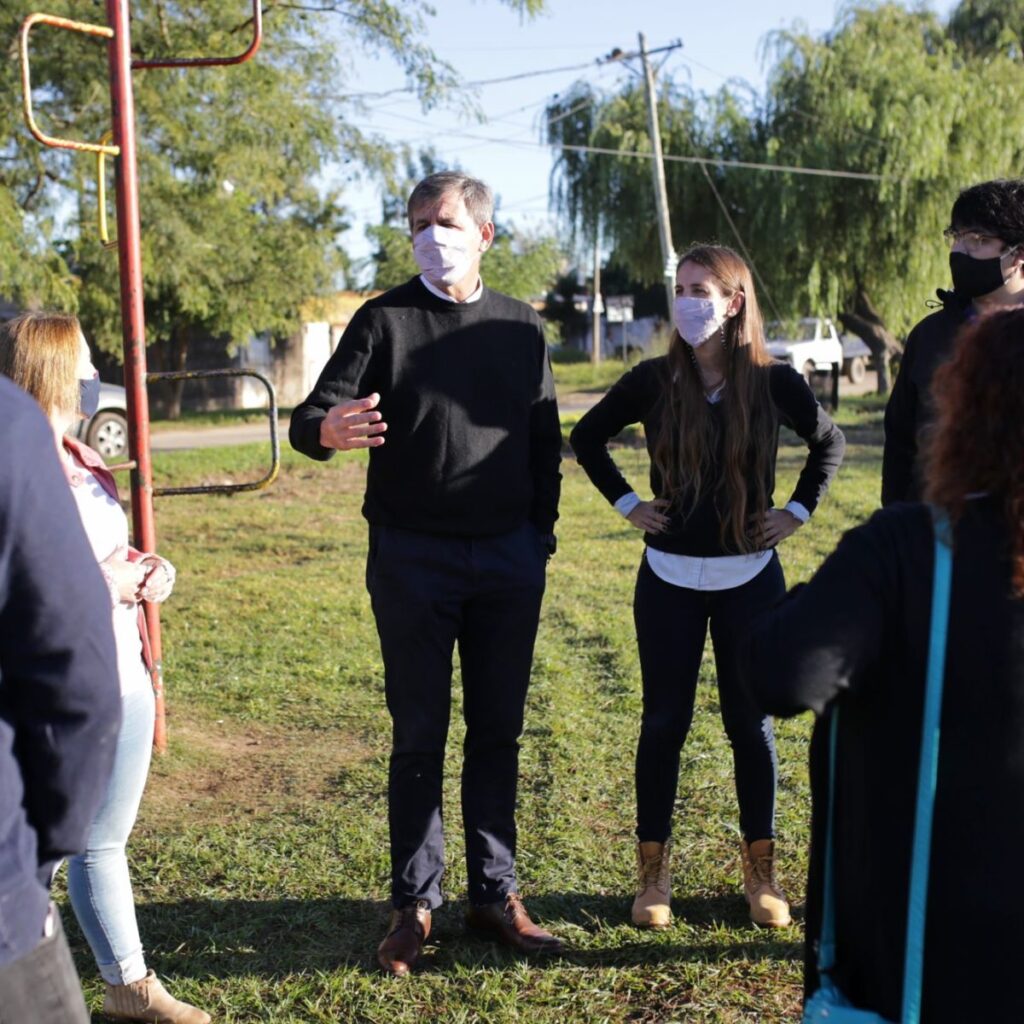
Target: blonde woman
(711,410)
(47,355)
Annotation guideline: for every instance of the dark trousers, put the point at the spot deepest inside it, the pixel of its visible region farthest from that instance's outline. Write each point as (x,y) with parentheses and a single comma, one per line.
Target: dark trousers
(42,987)
(671,625)
(430,593)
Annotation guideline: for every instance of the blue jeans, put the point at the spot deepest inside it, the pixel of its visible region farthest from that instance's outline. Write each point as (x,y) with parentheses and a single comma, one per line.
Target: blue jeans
(98,882)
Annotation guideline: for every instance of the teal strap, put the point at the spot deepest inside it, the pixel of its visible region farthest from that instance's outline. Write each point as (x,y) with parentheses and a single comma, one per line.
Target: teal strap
(927,775)
(827,939)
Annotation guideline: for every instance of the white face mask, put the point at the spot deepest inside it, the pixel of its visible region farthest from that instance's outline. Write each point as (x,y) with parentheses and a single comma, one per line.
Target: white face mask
(444,255)
(696,319)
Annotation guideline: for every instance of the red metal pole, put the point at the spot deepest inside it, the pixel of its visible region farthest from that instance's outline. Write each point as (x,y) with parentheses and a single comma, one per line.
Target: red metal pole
(133,321)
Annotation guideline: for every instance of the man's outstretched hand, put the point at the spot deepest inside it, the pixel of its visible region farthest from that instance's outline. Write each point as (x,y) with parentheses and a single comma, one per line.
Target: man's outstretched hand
(353,424)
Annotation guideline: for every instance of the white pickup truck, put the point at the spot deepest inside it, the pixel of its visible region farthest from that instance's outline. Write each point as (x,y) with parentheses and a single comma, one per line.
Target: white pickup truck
(810,345)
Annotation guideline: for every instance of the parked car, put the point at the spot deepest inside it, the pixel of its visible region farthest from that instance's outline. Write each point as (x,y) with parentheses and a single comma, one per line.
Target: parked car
(107,429)
(856,358)
(810,346)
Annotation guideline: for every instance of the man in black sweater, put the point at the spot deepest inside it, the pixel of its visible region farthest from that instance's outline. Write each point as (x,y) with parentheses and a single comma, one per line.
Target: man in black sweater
(986,236)
(60,711)
(461,501)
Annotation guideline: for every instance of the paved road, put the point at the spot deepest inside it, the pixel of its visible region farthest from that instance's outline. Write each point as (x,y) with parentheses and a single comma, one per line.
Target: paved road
(174,440)
(248,433)
(212,437)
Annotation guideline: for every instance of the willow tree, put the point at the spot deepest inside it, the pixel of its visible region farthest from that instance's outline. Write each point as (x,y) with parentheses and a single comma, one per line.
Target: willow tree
(919,107)
(888,93)
(602,195)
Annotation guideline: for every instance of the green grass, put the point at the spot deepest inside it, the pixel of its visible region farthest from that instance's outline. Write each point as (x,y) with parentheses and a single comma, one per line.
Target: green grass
(260,858)
(585,376)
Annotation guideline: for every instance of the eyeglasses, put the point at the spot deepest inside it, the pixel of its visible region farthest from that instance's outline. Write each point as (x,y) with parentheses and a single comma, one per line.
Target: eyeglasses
(971,240)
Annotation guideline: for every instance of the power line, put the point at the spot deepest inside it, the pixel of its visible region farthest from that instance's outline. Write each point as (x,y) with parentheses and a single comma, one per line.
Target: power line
(616,56)
(497,119)
(478,84)
(789,109)
(822,172)
(714,161)
(743,246)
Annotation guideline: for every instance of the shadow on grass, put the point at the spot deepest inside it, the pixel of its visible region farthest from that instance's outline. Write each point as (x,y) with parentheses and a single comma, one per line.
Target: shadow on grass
(276,938)
(724,917)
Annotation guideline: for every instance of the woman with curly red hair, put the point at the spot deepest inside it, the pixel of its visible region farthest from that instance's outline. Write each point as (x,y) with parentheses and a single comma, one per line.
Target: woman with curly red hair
(855,639)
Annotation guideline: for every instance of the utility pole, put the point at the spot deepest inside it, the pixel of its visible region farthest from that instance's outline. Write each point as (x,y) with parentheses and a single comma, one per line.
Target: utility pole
(598,305)
(660,192)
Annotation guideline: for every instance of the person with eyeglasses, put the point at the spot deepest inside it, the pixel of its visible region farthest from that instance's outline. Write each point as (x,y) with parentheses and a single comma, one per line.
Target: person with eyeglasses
(986,260)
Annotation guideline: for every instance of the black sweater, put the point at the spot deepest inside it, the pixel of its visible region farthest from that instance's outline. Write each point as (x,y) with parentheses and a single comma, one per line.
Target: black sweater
(909,409)
(857,635)
(473,442)
(638,397)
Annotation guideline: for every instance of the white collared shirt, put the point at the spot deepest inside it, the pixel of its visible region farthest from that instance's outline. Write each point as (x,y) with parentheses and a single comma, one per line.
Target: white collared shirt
(107,530)
(434,290)
(716,572)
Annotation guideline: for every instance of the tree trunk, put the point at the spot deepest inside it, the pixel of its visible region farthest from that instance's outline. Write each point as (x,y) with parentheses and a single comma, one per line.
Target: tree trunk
(177,361)
(864,321)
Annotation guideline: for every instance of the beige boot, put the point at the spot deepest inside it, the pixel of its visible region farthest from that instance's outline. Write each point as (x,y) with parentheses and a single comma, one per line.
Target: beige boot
(651,908)
(148,1000)
(768,904)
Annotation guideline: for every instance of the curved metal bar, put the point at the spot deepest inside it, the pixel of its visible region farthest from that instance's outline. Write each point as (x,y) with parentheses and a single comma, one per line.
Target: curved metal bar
(101,194)
(275,445)
(211,62)
(84,28)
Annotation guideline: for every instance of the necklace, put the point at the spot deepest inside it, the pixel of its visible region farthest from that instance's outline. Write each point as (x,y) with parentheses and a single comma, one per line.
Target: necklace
(710,383)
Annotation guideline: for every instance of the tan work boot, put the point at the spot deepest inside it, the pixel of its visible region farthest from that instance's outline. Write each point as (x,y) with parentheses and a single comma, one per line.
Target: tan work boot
(148,1000)
(651,908)
(768,904)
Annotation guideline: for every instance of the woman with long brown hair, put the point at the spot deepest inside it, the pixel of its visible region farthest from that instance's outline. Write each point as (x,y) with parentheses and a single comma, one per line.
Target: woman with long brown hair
(711,410)
(47,355)
(855,640)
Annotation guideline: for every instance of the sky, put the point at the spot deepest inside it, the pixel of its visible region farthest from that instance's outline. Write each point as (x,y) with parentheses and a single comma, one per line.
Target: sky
(484,40)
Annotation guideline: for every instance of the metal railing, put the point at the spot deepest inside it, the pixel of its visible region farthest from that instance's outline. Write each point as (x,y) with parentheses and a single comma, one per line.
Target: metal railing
(119,144)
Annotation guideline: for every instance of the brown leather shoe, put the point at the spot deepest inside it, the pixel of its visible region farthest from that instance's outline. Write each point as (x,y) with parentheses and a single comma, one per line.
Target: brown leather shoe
(403,943)
(508,922)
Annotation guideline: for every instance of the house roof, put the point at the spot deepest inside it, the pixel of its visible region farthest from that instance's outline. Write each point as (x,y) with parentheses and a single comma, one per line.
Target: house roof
(335,309)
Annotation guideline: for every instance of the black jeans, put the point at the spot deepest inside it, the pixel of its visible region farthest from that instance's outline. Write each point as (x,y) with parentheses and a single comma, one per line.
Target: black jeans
(430,593)
(42,987)
(671,624)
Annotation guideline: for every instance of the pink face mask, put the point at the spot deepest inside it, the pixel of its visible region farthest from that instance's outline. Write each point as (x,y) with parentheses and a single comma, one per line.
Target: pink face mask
(696,319)
(444,255)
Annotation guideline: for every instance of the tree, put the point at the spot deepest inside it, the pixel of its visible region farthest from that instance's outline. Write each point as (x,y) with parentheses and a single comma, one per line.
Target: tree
(887,93)
(890,93)
(236,233)
(981,28)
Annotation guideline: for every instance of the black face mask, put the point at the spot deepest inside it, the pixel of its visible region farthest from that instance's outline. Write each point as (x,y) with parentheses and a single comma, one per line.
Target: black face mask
(972,277)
